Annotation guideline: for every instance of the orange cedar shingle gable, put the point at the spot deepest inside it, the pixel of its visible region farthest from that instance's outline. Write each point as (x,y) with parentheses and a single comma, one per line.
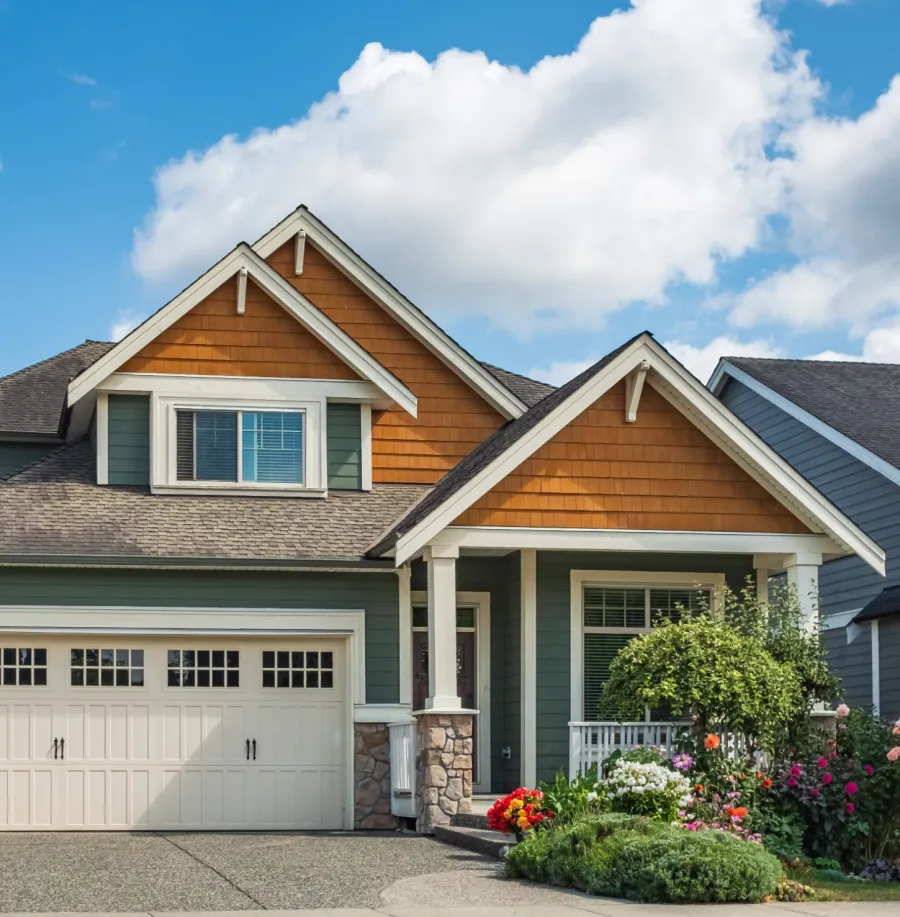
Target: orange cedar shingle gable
(452,419)
(212,339)
(659,473)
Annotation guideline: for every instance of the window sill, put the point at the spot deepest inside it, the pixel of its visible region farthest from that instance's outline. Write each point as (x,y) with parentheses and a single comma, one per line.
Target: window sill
(207,489)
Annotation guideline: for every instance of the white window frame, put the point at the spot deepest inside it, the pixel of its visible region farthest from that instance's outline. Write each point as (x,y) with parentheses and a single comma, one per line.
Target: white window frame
(625,579)
(164,443)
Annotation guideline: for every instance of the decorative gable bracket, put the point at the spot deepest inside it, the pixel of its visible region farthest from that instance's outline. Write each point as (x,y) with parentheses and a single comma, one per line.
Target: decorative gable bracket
(634,385)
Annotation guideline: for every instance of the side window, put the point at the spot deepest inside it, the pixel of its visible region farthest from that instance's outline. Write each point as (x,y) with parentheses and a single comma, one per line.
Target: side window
(23,666)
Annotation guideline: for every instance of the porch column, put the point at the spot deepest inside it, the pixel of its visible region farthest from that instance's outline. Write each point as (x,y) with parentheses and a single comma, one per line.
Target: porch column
(442,690)
(803,575)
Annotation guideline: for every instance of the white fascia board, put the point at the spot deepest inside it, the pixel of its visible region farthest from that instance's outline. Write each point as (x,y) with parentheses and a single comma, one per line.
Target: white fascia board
(780,478)
(688,395)
(625,540)
(395,303)
(850,446)
(338,341)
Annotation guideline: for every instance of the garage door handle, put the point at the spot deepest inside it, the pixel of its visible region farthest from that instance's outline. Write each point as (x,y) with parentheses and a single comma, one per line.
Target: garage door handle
(55,749)
(248,749)
(62,749)
(254,749)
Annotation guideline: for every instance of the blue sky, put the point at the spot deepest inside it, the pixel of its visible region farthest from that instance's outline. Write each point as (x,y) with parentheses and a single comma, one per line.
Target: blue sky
(507,236)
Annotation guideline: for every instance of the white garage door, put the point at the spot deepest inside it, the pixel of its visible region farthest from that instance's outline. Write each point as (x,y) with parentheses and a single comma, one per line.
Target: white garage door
(172,733)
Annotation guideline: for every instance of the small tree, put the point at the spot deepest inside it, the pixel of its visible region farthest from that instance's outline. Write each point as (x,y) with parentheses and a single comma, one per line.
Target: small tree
(709,669)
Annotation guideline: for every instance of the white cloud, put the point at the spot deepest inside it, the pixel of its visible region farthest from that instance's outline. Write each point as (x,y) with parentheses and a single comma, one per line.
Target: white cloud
(880,345)
(701,361)
(81,79)
(123,325)
(540,197)
(560,372)
(844,206)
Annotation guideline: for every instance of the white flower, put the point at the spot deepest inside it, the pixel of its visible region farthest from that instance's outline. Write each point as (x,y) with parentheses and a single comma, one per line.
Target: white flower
(591,796)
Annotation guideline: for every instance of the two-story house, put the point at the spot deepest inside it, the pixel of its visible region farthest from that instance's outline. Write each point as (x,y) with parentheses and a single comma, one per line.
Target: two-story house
(287,556)
(835,423)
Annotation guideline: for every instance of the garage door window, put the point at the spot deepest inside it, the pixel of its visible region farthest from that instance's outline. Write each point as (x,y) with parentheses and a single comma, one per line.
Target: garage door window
(24,666)
(297,669)
(204,669)
(101,668)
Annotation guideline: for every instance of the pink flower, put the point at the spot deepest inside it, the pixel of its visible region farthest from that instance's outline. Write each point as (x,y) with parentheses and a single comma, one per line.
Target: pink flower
(851,808)
(823,762)
(792,781)
(814,791)
(843,710)
(894,753)
(795,770)
(869,769)
(851,788)
(827,779)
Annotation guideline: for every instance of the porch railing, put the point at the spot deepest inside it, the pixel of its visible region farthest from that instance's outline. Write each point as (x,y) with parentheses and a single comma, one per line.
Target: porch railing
(592,743)
(403,769)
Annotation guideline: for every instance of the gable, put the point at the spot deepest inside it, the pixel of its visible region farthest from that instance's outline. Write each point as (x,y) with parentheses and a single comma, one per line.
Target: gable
(213,339)
(659,473)
(452,418)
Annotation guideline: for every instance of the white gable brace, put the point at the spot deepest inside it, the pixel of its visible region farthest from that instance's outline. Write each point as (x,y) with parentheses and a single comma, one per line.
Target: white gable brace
(634,385)
(244,263)
(302,223)
(689,396)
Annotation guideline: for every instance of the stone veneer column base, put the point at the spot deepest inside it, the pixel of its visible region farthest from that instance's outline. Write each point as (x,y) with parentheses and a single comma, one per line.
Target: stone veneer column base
(372,777)
(443,768)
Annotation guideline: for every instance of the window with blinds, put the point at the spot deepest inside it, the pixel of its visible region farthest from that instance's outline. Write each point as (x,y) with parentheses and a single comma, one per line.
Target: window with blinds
(614,615)
(239,446)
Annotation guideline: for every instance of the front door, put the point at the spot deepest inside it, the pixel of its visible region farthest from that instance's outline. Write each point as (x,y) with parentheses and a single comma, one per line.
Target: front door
(465,668)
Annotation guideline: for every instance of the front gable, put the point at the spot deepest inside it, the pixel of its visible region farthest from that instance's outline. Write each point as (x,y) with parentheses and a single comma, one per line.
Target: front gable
(659,472)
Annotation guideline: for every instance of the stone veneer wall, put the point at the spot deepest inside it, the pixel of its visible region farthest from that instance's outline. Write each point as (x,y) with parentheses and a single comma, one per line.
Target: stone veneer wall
(372,777)
(443,769)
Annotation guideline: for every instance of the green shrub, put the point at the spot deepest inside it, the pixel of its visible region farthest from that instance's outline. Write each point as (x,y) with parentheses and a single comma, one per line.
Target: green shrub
(576,798)
(628,857)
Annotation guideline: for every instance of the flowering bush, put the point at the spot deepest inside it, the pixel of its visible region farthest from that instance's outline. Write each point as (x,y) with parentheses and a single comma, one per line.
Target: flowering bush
(653,790)
(518,812)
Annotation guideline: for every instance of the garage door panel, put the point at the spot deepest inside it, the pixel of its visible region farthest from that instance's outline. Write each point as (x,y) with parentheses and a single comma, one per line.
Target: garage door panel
(31,797)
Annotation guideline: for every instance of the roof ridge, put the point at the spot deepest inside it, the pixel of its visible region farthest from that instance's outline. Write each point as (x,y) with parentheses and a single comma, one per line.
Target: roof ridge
(512,372)
(805,360)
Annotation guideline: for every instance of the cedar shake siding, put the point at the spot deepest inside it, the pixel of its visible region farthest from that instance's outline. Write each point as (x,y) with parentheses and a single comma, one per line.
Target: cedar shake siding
(659,473)
(452,419)
(213,340)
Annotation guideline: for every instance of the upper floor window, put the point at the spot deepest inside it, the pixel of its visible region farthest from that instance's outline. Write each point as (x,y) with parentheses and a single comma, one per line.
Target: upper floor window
(255,447)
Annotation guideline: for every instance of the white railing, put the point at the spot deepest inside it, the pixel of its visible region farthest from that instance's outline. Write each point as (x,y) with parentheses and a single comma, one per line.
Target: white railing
(403,769)
(593,743)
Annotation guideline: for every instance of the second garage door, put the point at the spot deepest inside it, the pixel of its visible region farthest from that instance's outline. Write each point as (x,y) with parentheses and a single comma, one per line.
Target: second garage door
(172,733)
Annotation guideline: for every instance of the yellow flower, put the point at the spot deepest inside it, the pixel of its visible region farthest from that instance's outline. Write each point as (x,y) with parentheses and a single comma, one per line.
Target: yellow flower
(508,813)
(516,804)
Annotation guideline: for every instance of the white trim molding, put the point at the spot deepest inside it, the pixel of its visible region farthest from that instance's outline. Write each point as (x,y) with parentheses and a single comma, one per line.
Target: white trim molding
(365,447)
(102,439)
(529,657)
(634,578)
(272,283)
(405,619)
(382,713)
(875,632)
(839,619)
(92,619)
(701,407)
(850,446)
(393,302)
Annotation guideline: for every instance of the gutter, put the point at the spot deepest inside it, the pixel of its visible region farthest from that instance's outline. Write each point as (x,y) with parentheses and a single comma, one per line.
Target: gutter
(125,562)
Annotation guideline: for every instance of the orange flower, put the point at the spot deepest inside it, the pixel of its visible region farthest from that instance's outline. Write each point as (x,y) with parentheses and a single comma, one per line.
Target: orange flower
(698,788)
(739,812)
(712,742)
(766,783)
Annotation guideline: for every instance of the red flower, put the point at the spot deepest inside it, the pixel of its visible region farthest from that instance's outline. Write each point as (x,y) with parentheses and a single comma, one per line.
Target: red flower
(827,779)
(869,769)
(851,788)
(851,808)
(766,783)
(823,762)
(795,770)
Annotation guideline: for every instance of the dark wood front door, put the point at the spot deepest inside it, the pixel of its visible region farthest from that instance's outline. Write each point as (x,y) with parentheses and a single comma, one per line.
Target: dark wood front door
(466,668)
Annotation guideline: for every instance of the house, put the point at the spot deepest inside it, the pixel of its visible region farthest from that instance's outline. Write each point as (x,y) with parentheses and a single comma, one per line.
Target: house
(837,424)
(287,556)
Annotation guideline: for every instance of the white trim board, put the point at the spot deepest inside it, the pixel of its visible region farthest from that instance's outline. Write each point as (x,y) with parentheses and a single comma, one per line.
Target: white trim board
(394,303)
(315,321)
(701,407)
(850,446)
(636,578)
(528,665)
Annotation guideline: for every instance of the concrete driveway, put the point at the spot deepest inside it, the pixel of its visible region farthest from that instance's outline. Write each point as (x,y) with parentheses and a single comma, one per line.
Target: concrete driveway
(216,872)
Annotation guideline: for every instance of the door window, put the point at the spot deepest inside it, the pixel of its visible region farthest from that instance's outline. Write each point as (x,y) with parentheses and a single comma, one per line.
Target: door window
(107,668)
(23,666)
(204,669)
(297,669)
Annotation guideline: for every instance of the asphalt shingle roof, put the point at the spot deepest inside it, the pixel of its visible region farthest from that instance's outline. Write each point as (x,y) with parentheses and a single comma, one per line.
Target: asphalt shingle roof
(528,391)
(32,399)
(495,446)
(53,507)
(860,400)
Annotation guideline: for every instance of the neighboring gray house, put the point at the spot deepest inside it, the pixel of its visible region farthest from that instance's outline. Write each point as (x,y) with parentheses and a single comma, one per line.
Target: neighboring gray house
(838,424)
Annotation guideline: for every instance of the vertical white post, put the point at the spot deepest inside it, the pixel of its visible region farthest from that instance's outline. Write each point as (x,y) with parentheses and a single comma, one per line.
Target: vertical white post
(442,689)
(762,585)
(101,419)
(404,575)
(365,458)
(803,575)
(528,698)
(876,667)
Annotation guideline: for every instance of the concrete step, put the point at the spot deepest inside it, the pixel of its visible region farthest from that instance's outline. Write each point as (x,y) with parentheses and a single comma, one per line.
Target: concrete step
(472,820)
(478,840)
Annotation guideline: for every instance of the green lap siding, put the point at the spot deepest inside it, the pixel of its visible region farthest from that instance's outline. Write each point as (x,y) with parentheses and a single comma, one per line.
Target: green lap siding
(129,440)
(16,456)
(374,593)
(554,631)
(344,447)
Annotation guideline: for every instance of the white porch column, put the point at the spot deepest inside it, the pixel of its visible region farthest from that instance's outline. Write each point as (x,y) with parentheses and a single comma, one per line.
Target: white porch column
(803,575)
(876,667)
(528,696)
(442,690)
(404,575)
